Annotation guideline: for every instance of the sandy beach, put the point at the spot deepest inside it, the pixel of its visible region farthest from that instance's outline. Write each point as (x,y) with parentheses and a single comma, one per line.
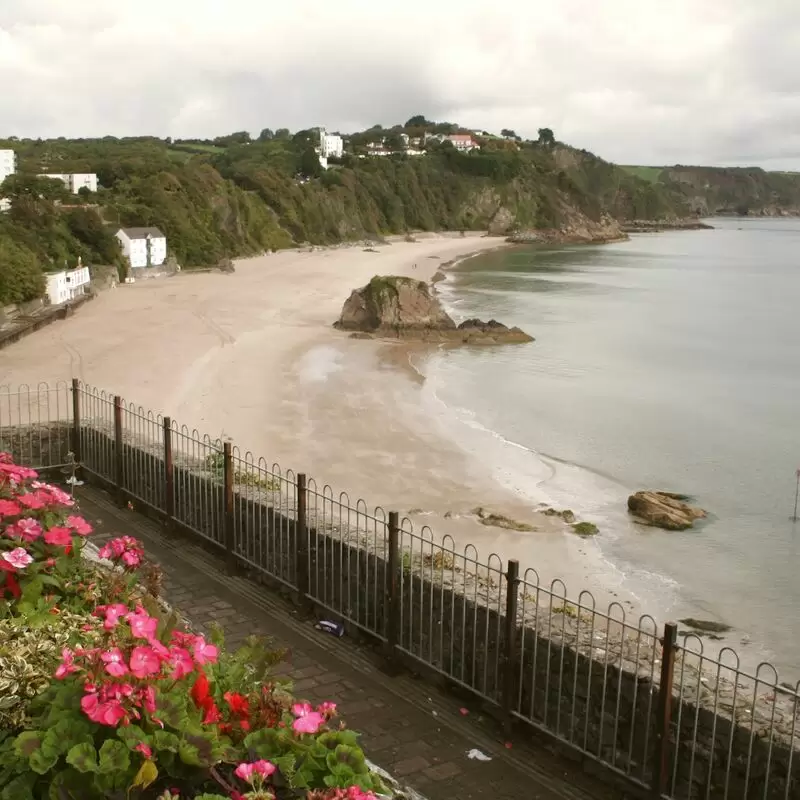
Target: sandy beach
(252,356)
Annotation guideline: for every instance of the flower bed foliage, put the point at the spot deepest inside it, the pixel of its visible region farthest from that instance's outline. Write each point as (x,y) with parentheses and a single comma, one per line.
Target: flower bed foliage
(103,695)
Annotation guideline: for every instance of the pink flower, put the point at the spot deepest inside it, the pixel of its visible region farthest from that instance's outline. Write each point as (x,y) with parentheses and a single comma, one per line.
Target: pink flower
(109,713)
(58,496)
(147,697)
(112,614)
(144,662)
(143,626)
(144,750)
(29,530)
(327,709)
(8,508)
(58,536)
(181,660)
(66,666)
(79,525)
(261,768)
(33,500)
(130,559)
(19,557)
(307,721)
(115,662)
(204,653)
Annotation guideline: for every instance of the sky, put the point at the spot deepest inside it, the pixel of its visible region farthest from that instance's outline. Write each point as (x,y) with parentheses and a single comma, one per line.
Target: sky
(635,81)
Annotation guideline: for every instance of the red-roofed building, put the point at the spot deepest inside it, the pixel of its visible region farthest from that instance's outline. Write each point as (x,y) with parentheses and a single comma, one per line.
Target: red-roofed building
(462,141)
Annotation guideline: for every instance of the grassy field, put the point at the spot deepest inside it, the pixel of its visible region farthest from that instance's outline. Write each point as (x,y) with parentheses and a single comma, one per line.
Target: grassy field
(649,174)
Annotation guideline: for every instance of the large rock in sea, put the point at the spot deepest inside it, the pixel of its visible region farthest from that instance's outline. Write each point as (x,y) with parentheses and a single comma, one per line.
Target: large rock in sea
(664,510)
(404,308)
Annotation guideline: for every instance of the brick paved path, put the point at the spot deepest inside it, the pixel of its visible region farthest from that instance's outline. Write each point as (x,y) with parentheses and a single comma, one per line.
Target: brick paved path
(409,728)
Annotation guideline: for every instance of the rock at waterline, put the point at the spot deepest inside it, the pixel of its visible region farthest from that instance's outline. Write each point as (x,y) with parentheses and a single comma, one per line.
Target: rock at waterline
(705,625)
(404,308)
(664,510)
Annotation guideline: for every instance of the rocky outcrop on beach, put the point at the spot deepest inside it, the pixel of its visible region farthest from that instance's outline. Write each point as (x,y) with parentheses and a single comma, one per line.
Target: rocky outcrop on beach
(404,308)
(659,225)
(664,510)
(576,229)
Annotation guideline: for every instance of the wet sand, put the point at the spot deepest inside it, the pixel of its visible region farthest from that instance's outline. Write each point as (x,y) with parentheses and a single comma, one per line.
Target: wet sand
(252,357)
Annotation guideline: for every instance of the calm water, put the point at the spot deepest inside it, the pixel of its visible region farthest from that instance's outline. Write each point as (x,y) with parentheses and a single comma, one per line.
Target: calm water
(671,361)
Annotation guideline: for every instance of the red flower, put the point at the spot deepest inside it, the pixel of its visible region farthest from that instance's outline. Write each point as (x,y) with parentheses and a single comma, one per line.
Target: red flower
(239,704)
(202,699)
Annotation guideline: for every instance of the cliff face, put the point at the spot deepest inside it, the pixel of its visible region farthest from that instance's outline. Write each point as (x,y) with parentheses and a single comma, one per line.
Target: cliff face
(403,308)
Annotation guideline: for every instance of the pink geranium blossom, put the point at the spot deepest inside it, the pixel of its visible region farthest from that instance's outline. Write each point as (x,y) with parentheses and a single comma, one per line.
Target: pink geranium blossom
(33,500)
(204,653)
(144,749)
(58,536)
(181,660)
(8,508)
(327,709)
(109,712)
(308,721)
(143,626)
(263,769)
(79,525)
(115,662)
(144,662)
(112,614)
(19,557)
(27,529)
(66,667)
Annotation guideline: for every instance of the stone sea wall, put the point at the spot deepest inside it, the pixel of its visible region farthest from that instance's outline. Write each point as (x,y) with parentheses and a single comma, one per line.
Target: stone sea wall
(587,680)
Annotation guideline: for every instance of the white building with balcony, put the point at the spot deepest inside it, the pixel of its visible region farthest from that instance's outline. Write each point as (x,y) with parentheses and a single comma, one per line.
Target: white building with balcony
(61,287)
(143,247)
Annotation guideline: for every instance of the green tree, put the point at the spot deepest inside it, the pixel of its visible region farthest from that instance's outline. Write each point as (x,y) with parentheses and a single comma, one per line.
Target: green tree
(266,135)
(283,133)
(309,163)
(508,133)
(546,137)
(21,277)
(418,121)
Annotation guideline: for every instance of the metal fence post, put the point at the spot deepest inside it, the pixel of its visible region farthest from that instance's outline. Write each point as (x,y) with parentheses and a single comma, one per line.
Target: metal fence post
(393,601)
(661,763)
(302,566)
(229,533)
(76,421)
(510,667)
(119,472)
(169,472)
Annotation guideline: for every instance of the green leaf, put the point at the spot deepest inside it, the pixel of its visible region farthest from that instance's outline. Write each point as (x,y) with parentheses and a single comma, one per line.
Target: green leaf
(164,740)
(266,743)
(189,754)
(42,762)
(147,773)
(172,710)
(114,757)
(83,757)
(132,735)
(26,744)
(21,786)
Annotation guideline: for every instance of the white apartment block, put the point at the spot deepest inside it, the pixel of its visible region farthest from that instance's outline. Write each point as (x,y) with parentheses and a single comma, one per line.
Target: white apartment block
(66,285)
(8,164)
(143,247)
(74,181)
(330,145)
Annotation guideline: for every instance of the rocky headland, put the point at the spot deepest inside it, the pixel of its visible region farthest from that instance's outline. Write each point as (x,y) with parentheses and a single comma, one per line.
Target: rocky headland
(394,307)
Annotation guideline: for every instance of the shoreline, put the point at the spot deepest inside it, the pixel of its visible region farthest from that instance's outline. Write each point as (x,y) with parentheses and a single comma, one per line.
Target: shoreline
(252,356)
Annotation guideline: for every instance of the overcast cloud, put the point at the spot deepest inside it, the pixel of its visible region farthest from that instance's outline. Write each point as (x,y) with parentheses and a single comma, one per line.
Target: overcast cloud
(636,81)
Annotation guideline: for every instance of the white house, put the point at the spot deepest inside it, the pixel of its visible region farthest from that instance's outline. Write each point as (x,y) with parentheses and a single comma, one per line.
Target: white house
(143,247)
(66,285)
(463,142)
(74,181)
(330,144)
(8,164)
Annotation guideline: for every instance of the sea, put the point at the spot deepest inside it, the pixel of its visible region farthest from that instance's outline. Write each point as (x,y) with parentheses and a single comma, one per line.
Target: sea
(670,361)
